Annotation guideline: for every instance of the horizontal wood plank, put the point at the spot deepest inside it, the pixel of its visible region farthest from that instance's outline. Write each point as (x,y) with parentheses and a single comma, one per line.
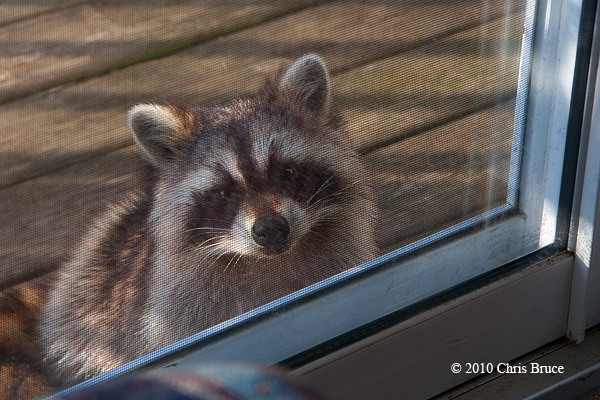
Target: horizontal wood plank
(93,37)
(434,84)
(443,176)
(12,11)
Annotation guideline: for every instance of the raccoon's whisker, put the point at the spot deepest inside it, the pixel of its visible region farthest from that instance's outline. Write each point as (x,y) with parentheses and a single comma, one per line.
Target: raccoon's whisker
(207,229)
(325,239)
(321,188)
(211,239)
(336,193)
(207,247)
(236,255)
(325,199)
(356,182)
(301,191)
(213,219)
(216,259)
(204,246)
(227,266)
(237,261)
(351,184)
(207,257)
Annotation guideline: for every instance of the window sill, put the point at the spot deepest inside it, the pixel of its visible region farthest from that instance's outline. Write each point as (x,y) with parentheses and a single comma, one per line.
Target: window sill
(581,366)
(488,325)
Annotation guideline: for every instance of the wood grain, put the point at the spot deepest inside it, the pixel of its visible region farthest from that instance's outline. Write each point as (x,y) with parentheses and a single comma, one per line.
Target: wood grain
(443,176)
(12,11)
(93,37)
(56,128)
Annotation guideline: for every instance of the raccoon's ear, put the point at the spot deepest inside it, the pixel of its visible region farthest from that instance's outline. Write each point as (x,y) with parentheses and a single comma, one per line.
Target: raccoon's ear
(307,81)
(160,130)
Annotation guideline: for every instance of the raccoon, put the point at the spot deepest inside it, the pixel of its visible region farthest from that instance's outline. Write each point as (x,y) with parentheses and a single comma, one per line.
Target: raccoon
(242,204)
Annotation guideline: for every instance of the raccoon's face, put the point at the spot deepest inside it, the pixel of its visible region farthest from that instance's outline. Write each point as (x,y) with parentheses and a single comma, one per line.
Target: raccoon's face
(260,209)
(259,177)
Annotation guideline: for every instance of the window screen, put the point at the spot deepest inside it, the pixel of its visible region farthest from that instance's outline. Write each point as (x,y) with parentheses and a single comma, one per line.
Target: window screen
(432,95)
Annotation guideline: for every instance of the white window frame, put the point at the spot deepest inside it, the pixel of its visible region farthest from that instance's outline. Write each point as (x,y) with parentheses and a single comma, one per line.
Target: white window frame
(528,300)
(584,305)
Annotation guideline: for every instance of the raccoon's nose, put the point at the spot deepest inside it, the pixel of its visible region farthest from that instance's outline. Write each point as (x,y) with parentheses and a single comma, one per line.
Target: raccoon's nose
(271,230)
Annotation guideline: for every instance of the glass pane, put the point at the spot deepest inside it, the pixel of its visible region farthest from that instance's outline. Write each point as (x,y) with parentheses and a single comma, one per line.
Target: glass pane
(427,91)
(437,129)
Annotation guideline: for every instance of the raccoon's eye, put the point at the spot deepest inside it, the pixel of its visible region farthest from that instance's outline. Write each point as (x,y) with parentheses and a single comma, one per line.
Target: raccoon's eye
(288,173)
(221,194)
